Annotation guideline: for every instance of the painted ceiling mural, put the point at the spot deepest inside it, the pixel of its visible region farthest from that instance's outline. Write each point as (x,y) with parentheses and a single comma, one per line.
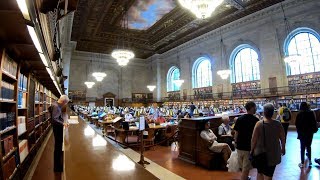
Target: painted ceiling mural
(144,13)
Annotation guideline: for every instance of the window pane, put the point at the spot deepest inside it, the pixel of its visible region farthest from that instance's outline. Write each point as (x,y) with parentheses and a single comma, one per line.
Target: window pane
(308,46)
(246,66)
(203,74)
(174,75)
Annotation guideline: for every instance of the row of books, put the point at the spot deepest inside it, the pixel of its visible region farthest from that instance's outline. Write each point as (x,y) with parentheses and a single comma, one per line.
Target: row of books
(22,99)
(23,82)
(8,65)
(23,149)
(7,120)
(7,91)
(7,145)
(9,167)
(21,125)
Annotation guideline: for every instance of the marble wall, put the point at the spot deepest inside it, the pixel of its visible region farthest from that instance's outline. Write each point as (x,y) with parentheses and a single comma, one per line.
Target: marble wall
(264,30)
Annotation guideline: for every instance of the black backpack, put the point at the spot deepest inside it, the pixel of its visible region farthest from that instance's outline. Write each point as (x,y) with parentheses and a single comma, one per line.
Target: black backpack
(286,116)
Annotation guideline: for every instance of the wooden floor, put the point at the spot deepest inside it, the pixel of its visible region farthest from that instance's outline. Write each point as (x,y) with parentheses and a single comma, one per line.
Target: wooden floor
(44,170)
(167,158)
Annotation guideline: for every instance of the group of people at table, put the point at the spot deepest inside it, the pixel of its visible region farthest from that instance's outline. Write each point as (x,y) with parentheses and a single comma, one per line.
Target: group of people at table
(250,134)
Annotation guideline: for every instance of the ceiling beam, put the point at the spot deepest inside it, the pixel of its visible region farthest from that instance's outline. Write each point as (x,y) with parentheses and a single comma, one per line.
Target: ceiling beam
(236,3)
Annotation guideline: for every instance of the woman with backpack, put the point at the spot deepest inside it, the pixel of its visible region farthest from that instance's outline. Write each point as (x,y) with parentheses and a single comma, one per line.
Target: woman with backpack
(284,117)
(306,126)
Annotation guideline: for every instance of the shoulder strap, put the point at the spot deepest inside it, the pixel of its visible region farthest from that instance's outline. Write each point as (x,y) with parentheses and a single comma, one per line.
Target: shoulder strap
(264,136)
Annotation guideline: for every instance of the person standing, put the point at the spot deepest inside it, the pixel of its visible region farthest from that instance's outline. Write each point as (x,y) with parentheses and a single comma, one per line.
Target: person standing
(243,134)
(285,117)
(58,123)
(266,137)
(306,125)
(192,108)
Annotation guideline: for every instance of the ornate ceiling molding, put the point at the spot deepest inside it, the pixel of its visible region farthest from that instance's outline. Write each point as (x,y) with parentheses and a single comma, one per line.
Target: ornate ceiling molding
(265,13)
(96,28)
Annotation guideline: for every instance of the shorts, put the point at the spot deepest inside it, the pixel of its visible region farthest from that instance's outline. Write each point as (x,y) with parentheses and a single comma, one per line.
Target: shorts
(267,171)
(244,161)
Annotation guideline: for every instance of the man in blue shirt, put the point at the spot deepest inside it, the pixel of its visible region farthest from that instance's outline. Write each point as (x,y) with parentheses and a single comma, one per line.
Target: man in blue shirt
(58,123)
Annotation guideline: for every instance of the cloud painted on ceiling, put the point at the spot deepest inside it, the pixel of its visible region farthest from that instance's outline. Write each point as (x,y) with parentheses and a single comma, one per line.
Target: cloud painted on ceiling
(144,13)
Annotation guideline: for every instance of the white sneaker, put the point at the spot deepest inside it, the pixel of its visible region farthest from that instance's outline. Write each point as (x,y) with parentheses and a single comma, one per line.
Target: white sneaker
(301,165)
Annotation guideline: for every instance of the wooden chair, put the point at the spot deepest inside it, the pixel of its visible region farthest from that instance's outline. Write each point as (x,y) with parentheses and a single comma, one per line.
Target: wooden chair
(169,132)
(150,138)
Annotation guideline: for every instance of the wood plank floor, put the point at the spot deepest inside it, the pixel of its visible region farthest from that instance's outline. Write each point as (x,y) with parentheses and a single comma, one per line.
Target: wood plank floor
(167,157)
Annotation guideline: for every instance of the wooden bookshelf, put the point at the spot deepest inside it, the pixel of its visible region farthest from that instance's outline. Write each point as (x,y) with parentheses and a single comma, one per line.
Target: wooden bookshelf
(304,83)
(8,108)
(30,121)
(246,89)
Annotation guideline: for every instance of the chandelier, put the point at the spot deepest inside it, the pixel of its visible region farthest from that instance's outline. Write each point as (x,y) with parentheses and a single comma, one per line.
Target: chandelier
(89,84)
(201,8)
(178,82)
(224,74)
(291,59)
(122,54)
(151,87)
(99,76)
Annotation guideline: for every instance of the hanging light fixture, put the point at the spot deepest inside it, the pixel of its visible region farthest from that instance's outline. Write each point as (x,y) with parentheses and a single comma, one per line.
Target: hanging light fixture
(291,59)
(122,54)
(151,87)
(201,8)
(178,82)
(224,74)
(99,75)
(89,84)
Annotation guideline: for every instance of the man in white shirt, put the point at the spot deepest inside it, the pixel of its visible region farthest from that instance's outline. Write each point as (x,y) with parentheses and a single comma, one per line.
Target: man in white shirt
(224,128)
(128,117)
(225,132)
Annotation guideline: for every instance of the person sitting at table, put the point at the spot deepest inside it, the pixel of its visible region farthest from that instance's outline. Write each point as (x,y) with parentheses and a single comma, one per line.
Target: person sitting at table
(225,132)
(128,117)
(160,119)
(209,136)
(187,115)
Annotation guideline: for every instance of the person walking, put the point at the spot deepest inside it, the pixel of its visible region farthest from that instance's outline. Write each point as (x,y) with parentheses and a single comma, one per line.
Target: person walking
(243,134)
(58,123)
(192,108)
(266,138)
(285,117)
(306,125)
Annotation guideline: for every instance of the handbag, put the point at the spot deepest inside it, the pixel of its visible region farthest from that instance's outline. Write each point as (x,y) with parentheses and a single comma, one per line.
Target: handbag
(260,160)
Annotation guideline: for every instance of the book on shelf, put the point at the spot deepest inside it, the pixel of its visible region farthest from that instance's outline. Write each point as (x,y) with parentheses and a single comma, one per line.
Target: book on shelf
(7,120)
(23,149)
(7,145)
(23,82)
(9,167)
(8,65)
(7,91)
(22,99)
(21,125)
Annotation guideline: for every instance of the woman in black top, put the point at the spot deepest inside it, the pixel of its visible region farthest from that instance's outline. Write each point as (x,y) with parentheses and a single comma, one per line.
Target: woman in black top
(306,126)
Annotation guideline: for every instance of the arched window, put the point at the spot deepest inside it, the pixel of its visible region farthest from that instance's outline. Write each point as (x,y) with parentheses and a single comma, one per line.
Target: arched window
(244,64)
(201,73)
(173,74)
(306,43)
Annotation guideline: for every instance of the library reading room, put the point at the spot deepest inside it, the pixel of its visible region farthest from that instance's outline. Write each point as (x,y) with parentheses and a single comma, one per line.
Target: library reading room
(160,89)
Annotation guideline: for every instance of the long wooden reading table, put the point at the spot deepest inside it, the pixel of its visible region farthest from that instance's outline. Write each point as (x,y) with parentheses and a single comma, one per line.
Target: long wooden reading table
(92,157)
